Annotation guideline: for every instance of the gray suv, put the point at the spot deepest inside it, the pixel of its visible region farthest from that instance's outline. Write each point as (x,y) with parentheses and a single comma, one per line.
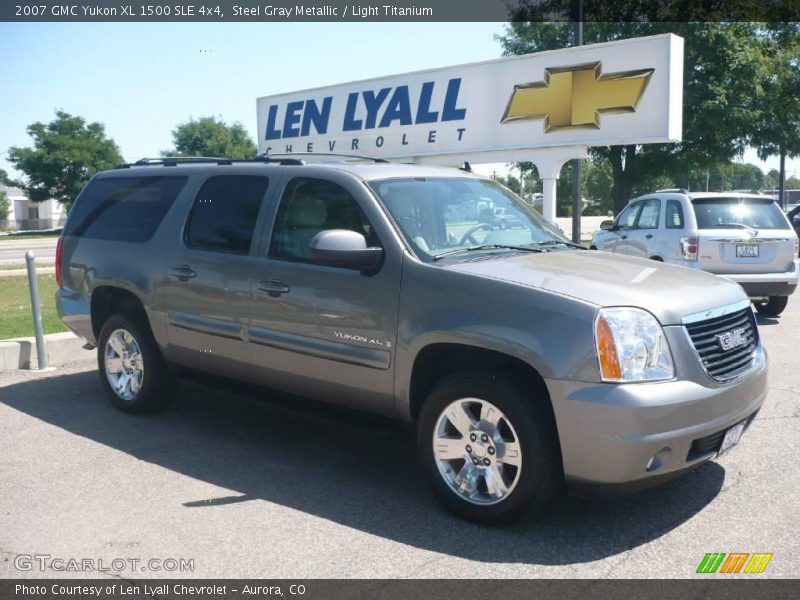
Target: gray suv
(526,364)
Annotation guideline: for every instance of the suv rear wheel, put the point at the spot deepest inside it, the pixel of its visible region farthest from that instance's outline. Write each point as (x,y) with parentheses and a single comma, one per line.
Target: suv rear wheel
(132,370)
(772,307)
(489,449)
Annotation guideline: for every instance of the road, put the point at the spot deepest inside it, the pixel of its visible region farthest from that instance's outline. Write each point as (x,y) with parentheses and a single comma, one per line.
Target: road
(13,251)
(249,488)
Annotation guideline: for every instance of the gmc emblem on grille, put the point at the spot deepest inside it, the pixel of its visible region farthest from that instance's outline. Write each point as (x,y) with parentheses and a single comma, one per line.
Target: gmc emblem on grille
(731,339)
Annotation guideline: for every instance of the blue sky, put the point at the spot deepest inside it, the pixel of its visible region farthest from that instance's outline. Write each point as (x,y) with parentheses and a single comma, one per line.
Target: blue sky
(141,80)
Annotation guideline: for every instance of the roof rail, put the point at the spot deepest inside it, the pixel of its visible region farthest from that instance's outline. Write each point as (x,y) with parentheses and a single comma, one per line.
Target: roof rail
(673,190)
(172,161)
(334,154)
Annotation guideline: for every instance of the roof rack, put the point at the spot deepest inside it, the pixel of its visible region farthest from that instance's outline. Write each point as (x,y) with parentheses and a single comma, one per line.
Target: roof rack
(673,190)
(334,154)
(172,161)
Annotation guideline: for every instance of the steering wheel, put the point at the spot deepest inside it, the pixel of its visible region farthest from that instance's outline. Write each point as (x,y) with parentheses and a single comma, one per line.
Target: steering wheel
(467,237)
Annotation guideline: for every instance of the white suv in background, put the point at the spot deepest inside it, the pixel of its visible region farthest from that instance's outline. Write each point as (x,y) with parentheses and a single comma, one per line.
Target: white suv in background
(743,237)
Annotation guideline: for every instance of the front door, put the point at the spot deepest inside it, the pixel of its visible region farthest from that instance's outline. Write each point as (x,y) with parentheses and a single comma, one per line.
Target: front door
(207,285)
(643,236)
(323,331)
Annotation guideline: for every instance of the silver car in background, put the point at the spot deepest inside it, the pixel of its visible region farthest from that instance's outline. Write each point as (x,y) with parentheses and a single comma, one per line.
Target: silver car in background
(743,237)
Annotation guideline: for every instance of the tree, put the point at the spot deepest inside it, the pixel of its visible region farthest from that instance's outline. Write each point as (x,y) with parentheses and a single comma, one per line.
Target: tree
(209,136)
(4,179)
(778,124)
(5,205)
(721,59)
(66,153)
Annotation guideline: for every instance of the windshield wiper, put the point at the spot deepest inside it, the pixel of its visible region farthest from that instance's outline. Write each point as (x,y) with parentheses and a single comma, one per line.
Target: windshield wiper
(554,242)
(485,247)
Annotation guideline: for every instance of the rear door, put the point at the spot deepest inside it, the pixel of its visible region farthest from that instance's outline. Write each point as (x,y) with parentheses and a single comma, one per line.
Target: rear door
(743,235)
(207,284)
(642,237)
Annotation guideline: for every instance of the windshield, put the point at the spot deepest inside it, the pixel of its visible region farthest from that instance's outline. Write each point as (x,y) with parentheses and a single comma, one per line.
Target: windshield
(439,216)
(737,213)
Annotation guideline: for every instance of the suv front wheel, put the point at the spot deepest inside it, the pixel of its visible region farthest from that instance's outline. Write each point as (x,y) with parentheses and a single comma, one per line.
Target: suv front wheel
(132,370)
(489,449)
(772,307)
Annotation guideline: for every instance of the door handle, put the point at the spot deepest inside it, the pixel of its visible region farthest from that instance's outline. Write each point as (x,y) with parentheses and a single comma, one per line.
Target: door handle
(649,236)
(184,273)
(273,287)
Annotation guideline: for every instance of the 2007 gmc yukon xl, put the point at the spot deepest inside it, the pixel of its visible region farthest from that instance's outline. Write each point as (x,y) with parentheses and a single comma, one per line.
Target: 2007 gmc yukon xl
(523,361)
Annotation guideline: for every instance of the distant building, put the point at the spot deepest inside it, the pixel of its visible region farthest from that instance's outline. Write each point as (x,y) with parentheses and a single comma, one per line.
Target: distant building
(27,215)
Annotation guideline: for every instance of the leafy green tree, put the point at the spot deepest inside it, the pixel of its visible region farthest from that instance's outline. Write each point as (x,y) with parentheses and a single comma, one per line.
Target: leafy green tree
(4,178)
(66,153)
(721,60)
(777,131)
(772,178)
(5,205)
(209,136)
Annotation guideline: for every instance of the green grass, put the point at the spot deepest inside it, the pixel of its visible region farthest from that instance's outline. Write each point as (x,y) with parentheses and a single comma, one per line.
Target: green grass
(11,267)
(15,307)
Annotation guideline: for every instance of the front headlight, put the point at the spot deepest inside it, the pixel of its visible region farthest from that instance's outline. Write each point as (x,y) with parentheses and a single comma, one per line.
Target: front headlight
(631,346)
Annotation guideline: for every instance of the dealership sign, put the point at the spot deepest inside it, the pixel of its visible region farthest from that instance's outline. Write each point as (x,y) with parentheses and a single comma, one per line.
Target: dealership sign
(625,92)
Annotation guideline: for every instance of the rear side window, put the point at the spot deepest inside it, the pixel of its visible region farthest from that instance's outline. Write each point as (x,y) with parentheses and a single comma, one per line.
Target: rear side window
(224,213)
(674,215)
(737,213)
(124,209)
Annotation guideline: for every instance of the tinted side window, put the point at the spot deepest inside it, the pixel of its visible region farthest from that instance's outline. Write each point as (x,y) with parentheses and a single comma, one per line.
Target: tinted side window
(648,217)
(125,209)
(627,217)
(309,206)
(224,213)
(674,215)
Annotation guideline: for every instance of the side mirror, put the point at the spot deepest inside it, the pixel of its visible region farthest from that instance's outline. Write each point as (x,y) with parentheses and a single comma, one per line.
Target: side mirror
(607,225)
(343,248)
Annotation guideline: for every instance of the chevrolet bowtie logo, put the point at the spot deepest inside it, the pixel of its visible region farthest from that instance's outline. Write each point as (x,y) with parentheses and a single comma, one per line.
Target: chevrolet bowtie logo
(575,96)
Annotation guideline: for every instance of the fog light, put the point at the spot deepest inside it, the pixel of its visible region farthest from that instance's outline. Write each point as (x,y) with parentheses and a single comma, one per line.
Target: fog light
(658,460)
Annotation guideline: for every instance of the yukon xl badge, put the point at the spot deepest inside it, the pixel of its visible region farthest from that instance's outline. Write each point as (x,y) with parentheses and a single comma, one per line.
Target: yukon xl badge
(731,339)
(355,337)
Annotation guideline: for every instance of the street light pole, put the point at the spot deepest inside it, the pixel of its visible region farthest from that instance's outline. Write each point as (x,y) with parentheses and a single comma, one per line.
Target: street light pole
(577,203)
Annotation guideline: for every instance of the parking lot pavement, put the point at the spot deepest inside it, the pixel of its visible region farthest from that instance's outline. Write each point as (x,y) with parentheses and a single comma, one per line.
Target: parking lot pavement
(251,489)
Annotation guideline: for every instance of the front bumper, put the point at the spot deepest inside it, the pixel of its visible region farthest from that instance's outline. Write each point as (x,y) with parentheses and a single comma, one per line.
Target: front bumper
(617,438)
(758,285)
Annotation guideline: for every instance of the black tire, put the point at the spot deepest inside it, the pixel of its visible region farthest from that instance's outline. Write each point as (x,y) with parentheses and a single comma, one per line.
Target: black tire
(592,247)
(772,307)
(156,387)
(540,474)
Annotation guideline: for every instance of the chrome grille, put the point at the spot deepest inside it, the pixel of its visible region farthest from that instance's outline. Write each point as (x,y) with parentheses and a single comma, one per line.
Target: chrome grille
(719,363)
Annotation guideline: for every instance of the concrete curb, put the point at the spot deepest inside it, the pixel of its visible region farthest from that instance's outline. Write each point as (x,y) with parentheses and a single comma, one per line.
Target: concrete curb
(24,272)
(62,348)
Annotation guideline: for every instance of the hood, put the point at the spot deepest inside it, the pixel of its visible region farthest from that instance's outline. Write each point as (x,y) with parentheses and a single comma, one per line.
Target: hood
(667,291)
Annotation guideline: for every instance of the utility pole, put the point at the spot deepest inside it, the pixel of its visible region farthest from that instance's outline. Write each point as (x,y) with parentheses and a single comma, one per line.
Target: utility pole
(782,182)
(577,202)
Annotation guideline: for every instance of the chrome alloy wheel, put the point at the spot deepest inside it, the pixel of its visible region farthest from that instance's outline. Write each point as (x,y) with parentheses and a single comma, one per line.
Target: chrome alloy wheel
(477,451)
(124,364)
